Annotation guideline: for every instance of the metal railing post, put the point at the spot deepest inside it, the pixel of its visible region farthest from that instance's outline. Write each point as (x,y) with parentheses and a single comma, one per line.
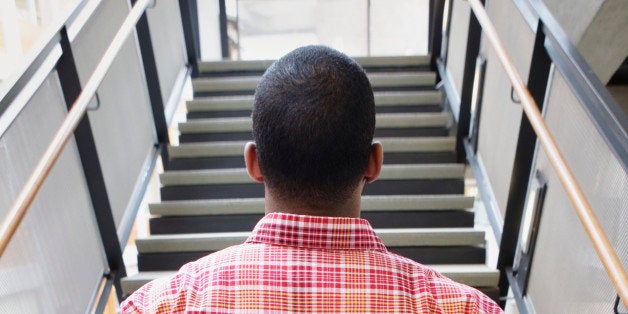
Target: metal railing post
(473,48)
(522,166)
(152,77)
(84,137)
(189,21)
(224,37)
(435,33)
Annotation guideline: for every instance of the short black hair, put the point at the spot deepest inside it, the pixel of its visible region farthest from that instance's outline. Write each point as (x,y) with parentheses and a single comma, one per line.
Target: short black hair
(313,124)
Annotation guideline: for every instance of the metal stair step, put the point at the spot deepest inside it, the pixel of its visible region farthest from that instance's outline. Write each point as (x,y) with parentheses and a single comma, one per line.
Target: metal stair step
(244,102)
(475,275)
(249,83)
(393,61)
(397,237)
(422,254)
(256,205)
(246,222)
(429,124)
(229,154)
(237,161)
(240,176)
(384,121)
(403,211)
(390,144)
(262,65)
(407,179)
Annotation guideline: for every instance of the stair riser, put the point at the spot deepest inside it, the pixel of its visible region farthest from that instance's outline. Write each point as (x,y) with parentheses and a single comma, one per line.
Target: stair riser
(423,255)
(247,113)
(229,223)
(203,224)
(381,187)
(238,161)
(248,136)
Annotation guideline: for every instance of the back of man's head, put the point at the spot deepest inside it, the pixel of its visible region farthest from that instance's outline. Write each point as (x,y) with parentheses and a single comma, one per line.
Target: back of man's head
(313,124)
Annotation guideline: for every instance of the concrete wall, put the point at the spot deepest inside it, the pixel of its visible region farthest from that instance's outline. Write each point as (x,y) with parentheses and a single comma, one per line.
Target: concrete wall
(576,17)
(604,44)
(598,29)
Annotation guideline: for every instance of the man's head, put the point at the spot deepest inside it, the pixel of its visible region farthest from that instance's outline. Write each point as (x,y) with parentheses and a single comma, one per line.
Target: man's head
(313,124)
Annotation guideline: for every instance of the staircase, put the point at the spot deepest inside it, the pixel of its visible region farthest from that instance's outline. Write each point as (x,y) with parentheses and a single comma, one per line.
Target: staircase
(417,206)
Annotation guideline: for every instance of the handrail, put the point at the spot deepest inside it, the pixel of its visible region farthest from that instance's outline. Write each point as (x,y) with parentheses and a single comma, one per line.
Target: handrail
(605,251)
(28,193)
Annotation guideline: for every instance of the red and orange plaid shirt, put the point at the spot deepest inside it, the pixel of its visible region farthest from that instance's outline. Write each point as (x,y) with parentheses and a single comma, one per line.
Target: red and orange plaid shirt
(307,264)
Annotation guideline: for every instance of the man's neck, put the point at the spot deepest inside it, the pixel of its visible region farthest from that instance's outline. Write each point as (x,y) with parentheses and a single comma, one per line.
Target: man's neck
(350,208)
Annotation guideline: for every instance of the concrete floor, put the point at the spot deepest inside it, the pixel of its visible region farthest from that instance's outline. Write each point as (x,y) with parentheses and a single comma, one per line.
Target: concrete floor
(267,29)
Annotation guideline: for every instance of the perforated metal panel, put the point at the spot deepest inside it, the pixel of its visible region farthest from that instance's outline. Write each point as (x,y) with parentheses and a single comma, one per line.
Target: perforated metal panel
(123,126)
(55,261)
(567,276)
(501,117)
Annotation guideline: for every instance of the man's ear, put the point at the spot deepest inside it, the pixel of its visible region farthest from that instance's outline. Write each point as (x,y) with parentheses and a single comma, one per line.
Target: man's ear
(250,159)
(376,159)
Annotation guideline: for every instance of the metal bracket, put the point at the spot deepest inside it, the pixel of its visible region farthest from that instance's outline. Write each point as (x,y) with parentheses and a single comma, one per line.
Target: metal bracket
(616,307)
(97,103)
(513,96)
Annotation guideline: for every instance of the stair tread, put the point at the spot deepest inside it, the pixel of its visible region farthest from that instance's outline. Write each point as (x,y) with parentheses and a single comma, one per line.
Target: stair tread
(390,144)
(262,65)
(245,102)
(249,83)
(240,176)
(383,120)
(393,237)
(256,205)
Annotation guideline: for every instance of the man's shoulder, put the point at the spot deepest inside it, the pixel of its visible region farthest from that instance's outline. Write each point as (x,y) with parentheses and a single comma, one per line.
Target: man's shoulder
(444,291)
(169,294)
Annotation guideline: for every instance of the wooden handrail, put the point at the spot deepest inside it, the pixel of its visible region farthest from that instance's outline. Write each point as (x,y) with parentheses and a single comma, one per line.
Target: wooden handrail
(28,193)
(587,217)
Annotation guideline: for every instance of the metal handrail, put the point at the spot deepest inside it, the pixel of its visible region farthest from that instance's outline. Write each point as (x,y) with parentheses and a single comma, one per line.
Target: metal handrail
(28,193)
(587,217)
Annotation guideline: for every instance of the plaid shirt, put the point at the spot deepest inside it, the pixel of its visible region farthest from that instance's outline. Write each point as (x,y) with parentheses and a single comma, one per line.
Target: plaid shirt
(307,264)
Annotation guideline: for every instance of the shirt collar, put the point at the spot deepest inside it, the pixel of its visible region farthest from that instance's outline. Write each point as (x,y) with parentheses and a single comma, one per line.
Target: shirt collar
(316,232)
